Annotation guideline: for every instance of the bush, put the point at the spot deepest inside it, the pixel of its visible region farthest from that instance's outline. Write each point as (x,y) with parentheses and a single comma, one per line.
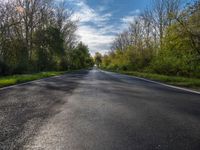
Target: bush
(3,68)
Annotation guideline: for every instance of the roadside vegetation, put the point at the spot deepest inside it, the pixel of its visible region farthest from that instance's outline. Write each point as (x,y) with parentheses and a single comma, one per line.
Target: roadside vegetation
(193,83)
(15,79)
(162,40)
(38,36)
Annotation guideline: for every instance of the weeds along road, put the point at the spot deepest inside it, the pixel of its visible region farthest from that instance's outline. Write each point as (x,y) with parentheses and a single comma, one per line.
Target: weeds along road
(97,110)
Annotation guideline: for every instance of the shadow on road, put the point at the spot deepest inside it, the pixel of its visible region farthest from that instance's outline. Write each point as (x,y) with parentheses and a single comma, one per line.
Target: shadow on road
(23,109)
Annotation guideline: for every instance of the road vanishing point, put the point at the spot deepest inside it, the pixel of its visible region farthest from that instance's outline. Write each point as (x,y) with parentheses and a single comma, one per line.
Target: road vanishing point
(98,110)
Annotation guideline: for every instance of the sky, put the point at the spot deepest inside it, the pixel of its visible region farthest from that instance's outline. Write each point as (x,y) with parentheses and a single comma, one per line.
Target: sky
(101,20)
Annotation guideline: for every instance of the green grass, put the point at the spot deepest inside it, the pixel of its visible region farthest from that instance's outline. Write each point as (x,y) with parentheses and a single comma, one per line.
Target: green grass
(192,83)
(16,79)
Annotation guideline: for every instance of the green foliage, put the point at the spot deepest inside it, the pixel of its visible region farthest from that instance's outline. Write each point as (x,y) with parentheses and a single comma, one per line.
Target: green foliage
(173,80)
(14,56)
(81,57)
(14,79)
(176,57)
(130,59)
(178,53)
(42,39)
(48,48)
(98,59)
(3,68)
(48,53)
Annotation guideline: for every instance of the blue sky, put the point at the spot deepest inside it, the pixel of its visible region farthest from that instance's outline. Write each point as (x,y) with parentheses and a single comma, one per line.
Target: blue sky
(101,20)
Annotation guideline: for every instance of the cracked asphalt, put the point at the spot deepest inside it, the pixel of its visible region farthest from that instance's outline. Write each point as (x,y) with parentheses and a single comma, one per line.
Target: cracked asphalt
(98,110)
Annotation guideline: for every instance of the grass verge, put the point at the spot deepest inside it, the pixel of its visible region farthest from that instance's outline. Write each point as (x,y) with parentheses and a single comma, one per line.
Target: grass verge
(16,79)
(192,83)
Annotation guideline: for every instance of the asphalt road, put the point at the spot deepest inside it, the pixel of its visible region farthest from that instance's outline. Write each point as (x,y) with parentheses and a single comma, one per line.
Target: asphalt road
(96,110)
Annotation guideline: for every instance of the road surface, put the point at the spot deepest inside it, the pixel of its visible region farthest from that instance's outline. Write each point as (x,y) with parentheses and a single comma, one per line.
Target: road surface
(97,110)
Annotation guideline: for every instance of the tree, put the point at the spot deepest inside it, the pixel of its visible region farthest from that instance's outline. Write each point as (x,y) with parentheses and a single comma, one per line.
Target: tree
(161,15)
(121,41)
(98,59)
(189,25)
(82,58)
(38,35)
(163,39)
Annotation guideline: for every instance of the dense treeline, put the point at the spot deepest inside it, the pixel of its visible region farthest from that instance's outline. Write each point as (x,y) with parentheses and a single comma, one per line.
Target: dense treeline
(163,39)
(39,35)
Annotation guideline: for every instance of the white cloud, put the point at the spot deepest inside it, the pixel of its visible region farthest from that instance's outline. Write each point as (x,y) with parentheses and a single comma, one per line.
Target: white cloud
(93,28)
(126,20)
(135,12)
(95,39)
(86,14)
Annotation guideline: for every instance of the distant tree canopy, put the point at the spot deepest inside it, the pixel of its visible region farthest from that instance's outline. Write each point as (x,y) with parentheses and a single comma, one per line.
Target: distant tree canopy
(38,35)
(98,59)
(164,39)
